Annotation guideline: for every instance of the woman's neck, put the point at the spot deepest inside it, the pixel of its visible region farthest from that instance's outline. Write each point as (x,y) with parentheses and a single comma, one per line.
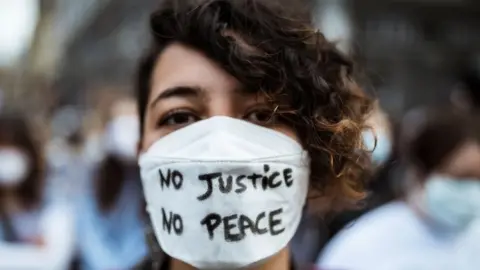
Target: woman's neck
(281,261)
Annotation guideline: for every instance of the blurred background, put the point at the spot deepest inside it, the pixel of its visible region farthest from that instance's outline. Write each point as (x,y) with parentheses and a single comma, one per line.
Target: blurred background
(66,64)
(64,52)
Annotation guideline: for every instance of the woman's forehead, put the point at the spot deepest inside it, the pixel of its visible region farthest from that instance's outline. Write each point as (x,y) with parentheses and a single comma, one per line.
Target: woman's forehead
(180,66)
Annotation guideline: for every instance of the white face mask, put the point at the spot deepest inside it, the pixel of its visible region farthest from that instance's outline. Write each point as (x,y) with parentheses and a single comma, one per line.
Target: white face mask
(224,193)
(381,150)
(13,167)
(452,202)
(122,137)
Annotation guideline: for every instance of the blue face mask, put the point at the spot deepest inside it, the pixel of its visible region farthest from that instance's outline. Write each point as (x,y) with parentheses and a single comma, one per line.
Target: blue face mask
(381,150)
(451,202)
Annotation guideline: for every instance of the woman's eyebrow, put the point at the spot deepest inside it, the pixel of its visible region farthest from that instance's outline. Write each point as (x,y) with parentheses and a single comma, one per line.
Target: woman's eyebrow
(177,91)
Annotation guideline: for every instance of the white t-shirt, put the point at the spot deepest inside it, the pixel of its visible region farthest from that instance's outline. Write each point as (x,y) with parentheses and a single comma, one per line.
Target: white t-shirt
(393,237)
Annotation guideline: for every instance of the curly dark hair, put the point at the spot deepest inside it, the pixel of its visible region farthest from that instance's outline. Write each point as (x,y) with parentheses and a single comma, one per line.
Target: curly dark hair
(15,131)
(277,52)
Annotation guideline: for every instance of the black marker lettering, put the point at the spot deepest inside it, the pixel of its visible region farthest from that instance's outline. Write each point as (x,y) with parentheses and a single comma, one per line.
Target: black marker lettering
(167,221)
(271,180)
(275,222)
(227,229)
(254,177)
(172,176)
(245,223)
(172,219)
(257,227)
(164,181)
(266,168)
(207,177)
(226,188)
(287,175)
(177,224)
(241,186)
(177,179)
(211,221)
(264,183)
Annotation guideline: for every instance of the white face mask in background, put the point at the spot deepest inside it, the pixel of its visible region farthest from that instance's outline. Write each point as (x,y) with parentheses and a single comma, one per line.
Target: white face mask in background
(454,203)
(382,149)
(93,151)
(122,137)
(14,167)
(224,193)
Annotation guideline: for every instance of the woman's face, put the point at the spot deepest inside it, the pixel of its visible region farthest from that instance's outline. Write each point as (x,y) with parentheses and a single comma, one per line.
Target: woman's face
(464,163)
(452,196)
(188,87)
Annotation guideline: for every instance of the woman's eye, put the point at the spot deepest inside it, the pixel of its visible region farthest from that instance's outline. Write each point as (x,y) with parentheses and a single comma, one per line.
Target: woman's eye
(260,116)
(179,119)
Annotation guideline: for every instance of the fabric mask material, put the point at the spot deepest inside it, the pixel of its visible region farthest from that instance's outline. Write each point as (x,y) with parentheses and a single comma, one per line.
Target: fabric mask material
(13,167)
(224,193)
(454,203)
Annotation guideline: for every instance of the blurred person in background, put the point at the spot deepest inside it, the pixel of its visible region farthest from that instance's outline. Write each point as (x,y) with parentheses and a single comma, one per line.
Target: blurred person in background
(111,217)
(36,232)
(428,228)
(93,150)
(67,167)
(232,89)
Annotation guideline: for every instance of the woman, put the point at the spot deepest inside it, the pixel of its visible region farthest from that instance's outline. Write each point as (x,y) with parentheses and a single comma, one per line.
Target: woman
(67,168)
(426,229)
(35,233)
(244,109)
(111,218)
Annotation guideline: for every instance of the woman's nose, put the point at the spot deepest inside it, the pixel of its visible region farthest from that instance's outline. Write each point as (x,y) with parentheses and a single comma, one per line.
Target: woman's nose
(222,106)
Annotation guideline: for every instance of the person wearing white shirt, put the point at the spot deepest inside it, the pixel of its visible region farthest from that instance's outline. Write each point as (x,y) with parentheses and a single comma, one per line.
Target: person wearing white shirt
(111,218)
(430,227)
(35,232)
